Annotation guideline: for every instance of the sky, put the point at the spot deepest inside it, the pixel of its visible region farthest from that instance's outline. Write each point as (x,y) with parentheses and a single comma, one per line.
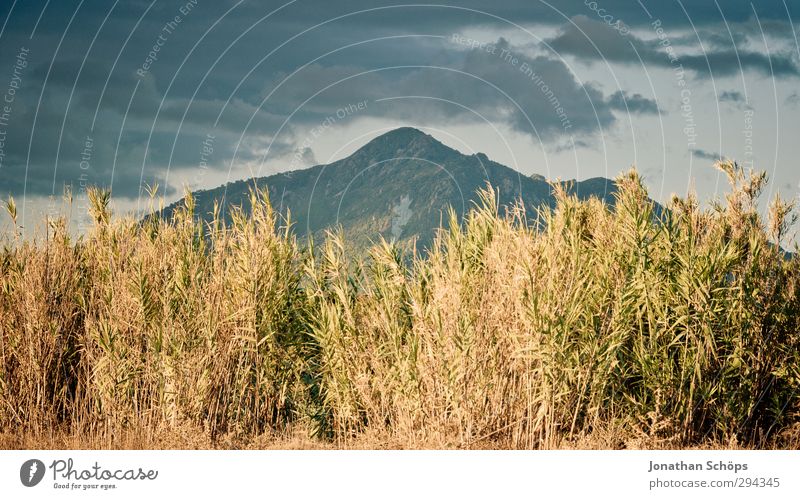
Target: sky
(131,94)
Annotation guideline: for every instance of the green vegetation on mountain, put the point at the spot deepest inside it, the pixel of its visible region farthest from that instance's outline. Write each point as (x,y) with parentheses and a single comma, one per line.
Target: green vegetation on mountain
(398,186)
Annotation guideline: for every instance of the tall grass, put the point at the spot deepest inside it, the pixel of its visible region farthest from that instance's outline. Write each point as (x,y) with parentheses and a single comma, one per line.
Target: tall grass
(589,326)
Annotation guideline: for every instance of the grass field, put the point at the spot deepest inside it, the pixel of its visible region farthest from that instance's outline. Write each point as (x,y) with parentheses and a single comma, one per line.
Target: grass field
(602,329)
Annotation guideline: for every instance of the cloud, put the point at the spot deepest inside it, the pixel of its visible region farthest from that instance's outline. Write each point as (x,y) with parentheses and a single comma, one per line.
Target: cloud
(183,90)
(734,98)
(632,103)
(462,12)
(122,158)
(305,157)
(702,153)
(595,41)
(536,95)
(731,96)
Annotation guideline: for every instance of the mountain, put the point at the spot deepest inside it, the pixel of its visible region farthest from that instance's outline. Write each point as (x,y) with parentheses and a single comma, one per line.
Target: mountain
(399,185)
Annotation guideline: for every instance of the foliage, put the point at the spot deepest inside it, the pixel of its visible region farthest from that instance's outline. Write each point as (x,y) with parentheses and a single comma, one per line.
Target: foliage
(674,327)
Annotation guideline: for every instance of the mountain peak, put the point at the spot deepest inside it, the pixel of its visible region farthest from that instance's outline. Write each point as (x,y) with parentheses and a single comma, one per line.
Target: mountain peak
(404,142)
(405,133)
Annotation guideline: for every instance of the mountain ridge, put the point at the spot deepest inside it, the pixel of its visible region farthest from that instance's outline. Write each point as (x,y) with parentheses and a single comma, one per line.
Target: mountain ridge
(397,186)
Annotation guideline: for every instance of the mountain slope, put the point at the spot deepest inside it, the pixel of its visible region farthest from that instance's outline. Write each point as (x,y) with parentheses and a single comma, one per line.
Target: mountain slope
(399,185)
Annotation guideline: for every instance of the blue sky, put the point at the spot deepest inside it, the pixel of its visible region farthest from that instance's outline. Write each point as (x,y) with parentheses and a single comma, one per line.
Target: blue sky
(197,93)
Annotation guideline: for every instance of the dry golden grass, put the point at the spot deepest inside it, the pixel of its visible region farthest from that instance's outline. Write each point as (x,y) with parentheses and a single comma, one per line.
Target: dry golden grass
(602,329)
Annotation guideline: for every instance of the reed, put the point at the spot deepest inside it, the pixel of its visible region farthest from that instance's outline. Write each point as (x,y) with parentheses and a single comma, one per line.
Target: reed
(590,326)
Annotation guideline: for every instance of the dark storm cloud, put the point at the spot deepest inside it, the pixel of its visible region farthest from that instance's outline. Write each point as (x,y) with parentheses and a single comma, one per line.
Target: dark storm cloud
(539,86)
(41,159)
(462,12)
(536,95)
(593,40)
(633,103)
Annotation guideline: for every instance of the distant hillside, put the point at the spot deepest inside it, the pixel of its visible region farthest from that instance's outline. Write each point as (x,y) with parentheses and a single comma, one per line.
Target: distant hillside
(397,186)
